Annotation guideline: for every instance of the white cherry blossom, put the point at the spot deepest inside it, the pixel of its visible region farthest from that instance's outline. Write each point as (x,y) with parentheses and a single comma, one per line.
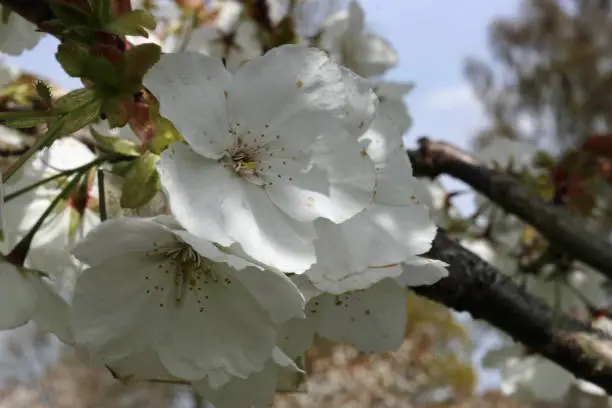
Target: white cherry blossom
(17,34)
(391,102)
(178,297)
(342,318)
(259,141)
(343,36)
(394,228)
(24,296)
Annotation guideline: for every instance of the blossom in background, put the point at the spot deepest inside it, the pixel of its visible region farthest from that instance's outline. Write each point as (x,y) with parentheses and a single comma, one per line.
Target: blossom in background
(17,34)
(7,74)
(435,197)
(70,220)
(391,102)
(507,154)
(343,36)
(228,37)
(249,173)
(180,297)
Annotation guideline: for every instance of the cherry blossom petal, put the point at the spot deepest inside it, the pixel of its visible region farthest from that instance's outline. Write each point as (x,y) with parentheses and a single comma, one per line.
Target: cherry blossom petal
(17,297)
(191,89)
(197,188)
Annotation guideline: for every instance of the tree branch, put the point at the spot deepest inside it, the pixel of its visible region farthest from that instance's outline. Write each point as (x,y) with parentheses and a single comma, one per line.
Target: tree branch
(562,229)
(478,288)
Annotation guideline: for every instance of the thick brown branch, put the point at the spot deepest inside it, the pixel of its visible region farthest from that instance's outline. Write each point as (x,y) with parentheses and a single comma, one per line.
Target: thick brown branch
(476,287)
(562,229)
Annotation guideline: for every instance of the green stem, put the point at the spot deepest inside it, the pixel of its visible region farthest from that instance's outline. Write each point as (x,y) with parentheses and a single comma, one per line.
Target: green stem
(20,251)
(63,173)
(42,141)
(101,196)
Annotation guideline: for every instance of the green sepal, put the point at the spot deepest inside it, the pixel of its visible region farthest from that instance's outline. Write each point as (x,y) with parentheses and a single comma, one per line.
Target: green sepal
(115,144)
(141,182)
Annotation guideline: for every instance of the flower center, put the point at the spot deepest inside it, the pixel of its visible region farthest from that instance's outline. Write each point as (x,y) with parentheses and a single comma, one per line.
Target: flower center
(245,161)
(192,270)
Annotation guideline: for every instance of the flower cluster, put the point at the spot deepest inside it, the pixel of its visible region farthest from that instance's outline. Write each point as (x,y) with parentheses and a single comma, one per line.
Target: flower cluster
(288,210)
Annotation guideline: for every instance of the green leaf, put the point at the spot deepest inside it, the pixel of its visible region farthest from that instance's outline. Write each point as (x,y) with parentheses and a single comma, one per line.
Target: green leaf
(5,15)
(115,144)
(71,14)
(544,160)
(44,92)
(73,58)
(21,120)
(133,23)
(141,182)
(103,11)
(79,118)
(115,112)
(101,71)
(75,99)
(136,62)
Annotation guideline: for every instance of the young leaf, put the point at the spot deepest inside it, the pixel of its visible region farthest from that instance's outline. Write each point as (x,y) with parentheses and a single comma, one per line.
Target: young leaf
(75,99)
(81,117)
(132,23)
(73,58)
(44,92)
(136,62)
(71,15)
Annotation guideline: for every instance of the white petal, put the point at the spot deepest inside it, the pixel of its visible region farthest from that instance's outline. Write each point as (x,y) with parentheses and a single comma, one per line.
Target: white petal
(373,56)
(381,140)
(499,356)
(305,96)
(256,391)
(119,236)
(52,311)
(144,365)
(345,186)
(197,188)
(121,305)
(383,235)
(7,75)
(267,234)
(207,249)
(220,326)
(422,271)
(336,270)
(17,297)
(17,35)
(191,89)
(287,302)
(381,308)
